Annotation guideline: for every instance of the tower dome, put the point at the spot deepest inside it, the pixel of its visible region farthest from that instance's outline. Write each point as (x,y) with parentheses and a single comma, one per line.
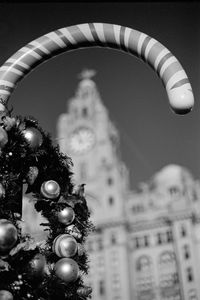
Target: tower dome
(172,176)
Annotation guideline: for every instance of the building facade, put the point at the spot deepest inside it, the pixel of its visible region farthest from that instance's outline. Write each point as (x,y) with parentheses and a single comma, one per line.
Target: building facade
(147,242)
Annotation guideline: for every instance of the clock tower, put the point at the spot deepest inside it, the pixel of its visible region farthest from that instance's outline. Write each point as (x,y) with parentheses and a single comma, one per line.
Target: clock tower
(88,136)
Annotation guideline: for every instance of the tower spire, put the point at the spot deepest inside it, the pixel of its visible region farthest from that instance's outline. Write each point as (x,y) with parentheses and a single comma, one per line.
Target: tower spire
(86,74)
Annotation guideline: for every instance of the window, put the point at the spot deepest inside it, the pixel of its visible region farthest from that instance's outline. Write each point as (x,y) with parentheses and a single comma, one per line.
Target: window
(146,241)
(143,263)
(137,244)
(169,236)
(110,181)
(111,200)
(85,112)
(173,190)
(186,251)
(159,239)
(192,295)
(190,276)
(183,231)
(113,239)
(101,287)
(99,244)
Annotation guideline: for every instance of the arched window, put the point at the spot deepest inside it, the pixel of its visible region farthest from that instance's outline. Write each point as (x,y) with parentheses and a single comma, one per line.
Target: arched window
(192,295)
(144,277)
(143,263)
(168,274)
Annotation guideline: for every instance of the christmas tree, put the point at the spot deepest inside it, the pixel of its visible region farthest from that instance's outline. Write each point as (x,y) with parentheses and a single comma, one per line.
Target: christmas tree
(51,269)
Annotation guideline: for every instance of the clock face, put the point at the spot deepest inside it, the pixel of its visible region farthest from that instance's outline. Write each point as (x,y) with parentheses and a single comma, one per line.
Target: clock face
(82,140)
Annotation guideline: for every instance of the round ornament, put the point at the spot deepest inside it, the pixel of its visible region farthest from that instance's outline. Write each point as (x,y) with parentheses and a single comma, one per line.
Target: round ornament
(3,137)
(64,245)
(32,175)
(5,295)
(36,267)
(66,216)
(8,236)
(50,189)
(67,270)
(33,136)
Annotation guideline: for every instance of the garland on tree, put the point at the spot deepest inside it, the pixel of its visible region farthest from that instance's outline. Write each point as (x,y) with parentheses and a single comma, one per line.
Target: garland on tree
(52,269)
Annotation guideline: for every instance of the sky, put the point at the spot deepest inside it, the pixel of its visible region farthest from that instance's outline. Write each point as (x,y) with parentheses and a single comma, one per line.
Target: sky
(152,136)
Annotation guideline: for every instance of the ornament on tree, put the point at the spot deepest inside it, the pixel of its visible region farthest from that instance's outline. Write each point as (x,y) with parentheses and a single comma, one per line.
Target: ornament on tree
(32,175)
(2,191)
(50,189)
(66,216)
(67,270)
(73,230)
(3,137)
(36,267)
(64,245)
(84,291)
(5,295)
(33,136)
(8,236)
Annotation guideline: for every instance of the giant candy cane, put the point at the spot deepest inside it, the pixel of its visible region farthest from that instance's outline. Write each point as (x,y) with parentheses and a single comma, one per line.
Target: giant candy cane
(103,35)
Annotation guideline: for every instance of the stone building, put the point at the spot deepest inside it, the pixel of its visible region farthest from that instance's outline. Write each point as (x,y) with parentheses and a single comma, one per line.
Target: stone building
(147,242)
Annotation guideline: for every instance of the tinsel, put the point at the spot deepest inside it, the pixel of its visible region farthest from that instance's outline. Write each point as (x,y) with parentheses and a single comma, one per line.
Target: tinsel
(16,158)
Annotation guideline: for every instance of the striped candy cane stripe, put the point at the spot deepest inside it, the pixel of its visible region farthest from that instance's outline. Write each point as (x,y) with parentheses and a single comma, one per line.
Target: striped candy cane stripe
(113,36)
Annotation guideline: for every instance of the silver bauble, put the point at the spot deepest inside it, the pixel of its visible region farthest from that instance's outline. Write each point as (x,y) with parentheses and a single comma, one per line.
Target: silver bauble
(5,295)
(50,189)
(33,136)
(67,270)
(65,245)
(66,216)
(8,236)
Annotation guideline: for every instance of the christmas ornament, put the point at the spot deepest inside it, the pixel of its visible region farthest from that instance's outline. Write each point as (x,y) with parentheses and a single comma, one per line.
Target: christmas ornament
(3,137)
(2,191)
(8,236)
(80,249)
(5,295)
(66,216)
(50,189)
(36,267)
(84,291)
(64,245)
(73,230)
(33,136)
(32,175)
(66,269)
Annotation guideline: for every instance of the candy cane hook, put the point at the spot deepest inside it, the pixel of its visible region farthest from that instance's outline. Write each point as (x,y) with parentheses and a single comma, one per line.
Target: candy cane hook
(103,35)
